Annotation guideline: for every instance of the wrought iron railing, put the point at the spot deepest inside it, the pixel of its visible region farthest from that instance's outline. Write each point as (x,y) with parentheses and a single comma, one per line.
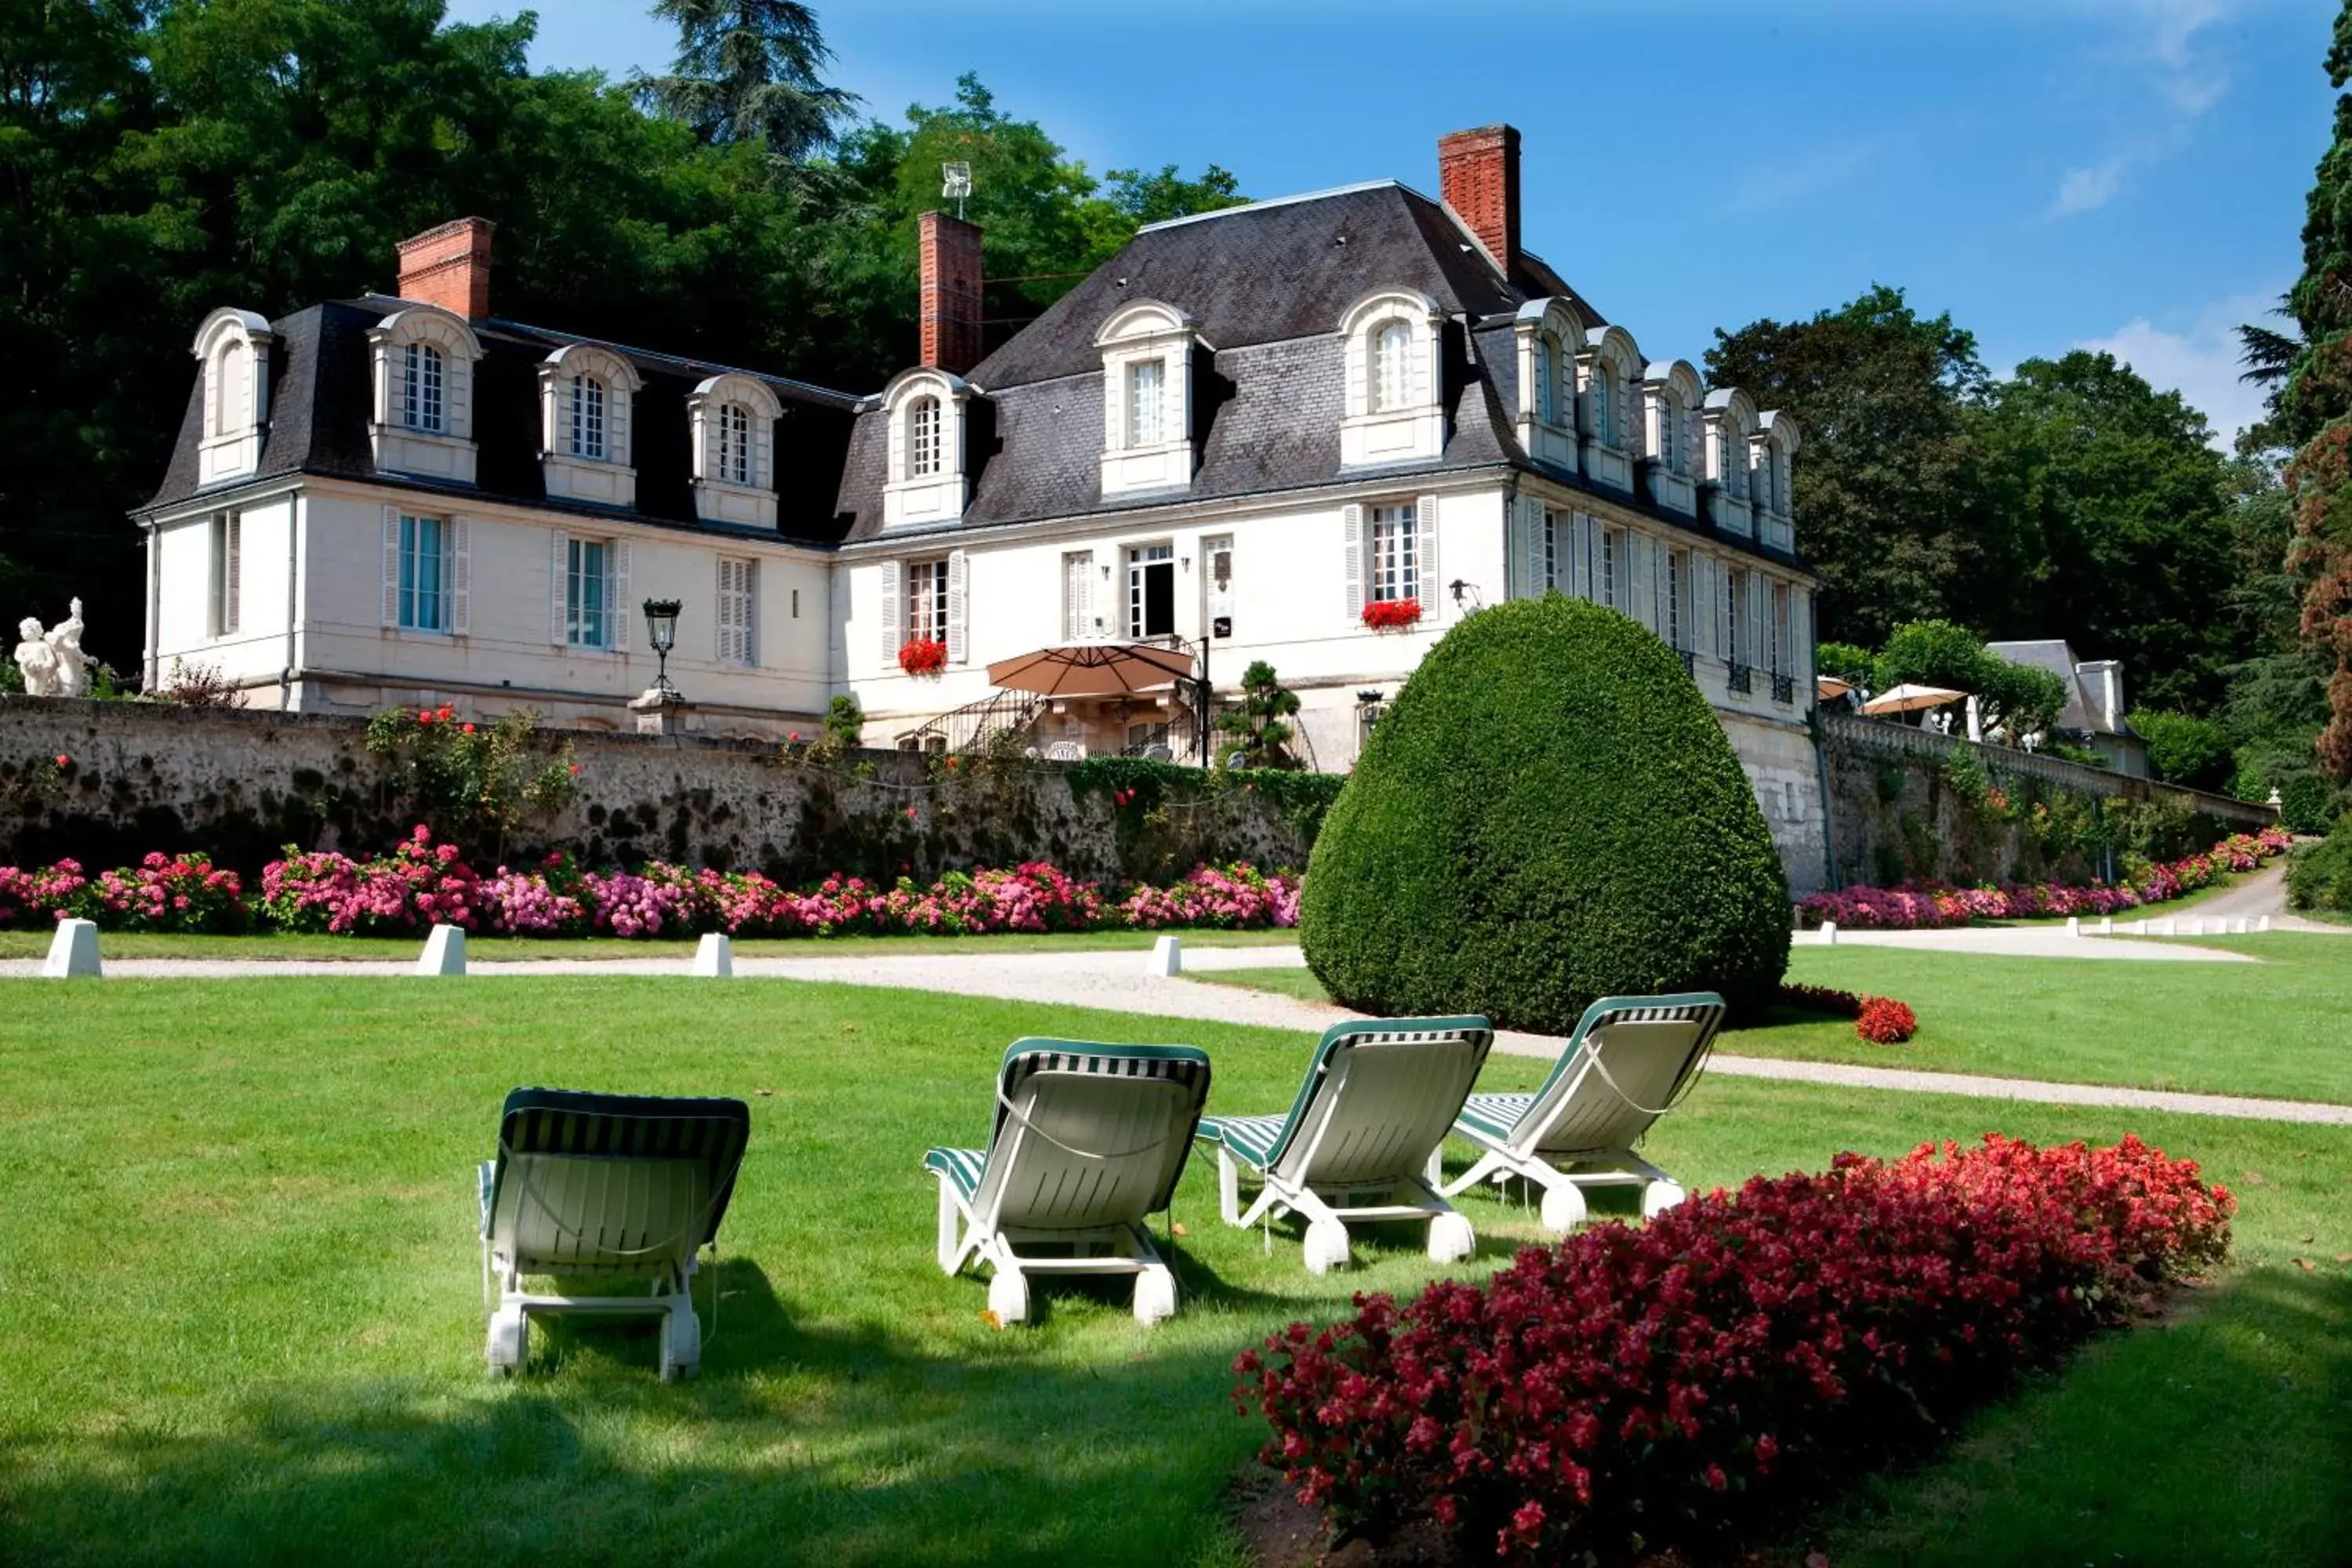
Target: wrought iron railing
(1784,689)
(1690,662)
(972,726)
(1741,678)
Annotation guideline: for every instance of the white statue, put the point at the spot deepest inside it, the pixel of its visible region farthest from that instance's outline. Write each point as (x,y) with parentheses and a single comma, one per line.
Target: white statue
(53,662)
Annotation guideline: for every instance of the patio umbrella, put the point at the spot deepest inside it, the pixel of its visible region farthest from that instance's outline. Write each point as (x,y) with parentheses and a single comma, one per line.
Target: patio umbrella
(1909,698)
(1829,687)
(1092,669)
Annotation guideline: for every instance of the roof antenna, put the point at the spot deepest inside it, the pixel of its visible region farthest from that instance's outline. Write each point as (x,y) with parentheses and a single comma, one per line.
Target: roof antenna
(956,181)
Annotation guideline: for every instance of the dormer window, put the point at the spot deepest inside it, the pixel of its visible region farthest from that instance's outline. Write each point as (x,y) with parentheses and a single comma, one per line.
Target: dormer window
(422,410)
(1145,381)
(233,348)
(1545,377)
(587,437)
(1609,368)
(1393,342)
(1730,418)
(1548,331)
(1774,477)
(1391,368)
(733,419)
(1147,357)
(924,413)
(735,444)
(1670,389)
(420,389)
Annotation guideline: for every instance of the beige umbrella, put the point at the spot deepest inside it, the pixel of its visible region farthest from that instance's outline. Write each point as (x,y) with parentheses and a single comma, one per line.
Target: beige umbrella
(1909,698)
(1092,669)
(1830,687)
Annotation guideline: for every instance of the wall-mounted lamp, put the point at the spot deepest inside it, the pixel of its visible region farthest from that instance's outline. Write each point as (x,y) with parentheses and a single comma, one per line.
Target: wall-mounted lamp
(1366,698)
(1466,595)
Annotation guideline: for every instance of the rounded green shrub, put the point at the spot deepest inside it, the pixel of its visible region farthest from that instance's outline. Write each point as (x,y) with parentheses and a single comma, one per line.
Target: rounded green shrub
(2319,877)
(1549,812)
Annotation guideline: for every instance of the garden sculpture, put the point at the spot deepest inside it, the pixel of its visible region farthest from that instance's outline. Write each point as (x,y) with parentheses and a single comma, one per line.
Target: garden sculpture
(52,662)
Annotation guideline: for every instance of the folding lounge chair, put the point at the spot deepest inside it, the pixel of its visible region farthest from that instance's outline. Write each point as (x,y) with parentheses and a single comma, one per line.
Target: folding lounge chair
(1378,1097)
(612,1185)
(1088,1140)
(1631,1059)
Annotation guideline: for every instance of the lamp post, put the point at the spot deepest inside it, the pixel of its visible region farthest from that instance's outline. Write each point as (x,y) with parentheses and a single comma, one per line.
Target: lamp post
(661,624)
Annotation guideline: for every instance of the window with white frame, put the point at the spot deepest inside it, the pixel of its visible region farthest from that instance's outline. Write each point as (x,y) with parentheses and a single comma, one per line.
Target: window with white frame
(1610,569)
(588,607)
(1391,380)
(1677,584)
(1735,627)
(1553,560)
(927,601)
(739,580)
(1152,591)
(421,382)
(1395,555)
(1604,405)
(1146,382)
(922,437)
(424,582)
(1670,447)
(1777,627)
(588,419)
(1546,377)
(227,573)
(734,444)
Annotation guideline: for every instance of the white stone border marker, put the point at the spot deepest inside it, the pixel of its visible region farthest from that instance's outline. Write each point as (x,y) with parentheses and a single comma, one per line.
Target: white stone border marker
(445,952)
(73,952)
(1167,957)
(1829,933)
(2074,925)
(714,957)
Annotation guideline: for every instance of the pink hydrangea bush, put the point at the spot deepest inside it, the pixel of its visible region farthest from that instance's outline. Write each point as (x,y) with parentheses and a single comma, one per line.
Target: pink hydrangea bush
(419,884)
(1230,897)
(169,892)
(43,897)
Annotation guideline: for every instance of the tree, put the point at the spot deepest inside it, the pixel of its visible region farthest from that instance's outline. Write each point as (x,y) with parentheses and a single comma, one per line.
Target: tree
(2185,750)
(2014,701)
(1260,733)
(748,71)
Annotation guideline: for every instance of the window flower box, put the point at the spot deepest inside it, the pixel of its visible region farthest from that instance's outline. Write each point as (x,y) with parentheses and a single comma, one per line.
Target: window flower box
(922,656)
(1391,614)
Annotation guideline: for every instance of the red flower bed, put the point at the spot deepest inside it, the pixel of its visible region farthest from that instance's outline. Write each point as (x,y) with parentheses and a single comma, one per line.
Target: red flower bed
(1640,1390)
(923,656)
(1881,1020)
(1391,614)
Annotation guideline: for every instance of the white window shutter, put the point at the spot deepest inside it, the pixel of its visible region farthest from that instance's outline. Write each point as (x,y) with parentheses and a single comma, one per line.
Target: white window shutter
(232,571)
(617,613)
(461,576)
(560,566)
(722,627)
(1351,559)
(392,566)
(1431,587)
(959,581)
(893,630)
(1520,573)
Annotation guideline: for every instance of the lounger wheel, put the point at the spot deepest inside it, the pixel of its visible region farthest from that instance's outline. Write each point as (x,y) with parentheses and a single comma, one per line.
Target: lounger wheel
(681,1345)
(1563,1209)
(1660,1196)
(509,1341)
(1008,1295)
(1155,1295)
(1451,1238)
(1326,1246)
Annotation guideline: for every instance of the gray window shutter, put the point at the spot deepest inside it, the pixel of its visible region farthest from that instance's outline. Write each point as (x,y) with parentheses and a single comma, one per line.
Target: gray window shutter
(392,566)
(461,576)
(893,626)
(959,577)
(1352,560)
(232,571)
(1430,589)
(556,632)
(618,613)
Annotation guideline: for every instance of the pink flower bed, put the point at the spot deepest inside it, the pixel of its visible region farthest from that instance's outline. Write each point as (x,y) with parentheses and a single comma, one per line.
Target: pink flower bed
(1915,906)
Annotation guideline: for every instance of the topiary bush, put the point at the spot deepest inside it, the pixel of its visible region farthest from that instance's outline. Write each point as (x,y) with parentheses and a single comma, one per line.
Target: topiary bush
(2319,877)
(1549,813)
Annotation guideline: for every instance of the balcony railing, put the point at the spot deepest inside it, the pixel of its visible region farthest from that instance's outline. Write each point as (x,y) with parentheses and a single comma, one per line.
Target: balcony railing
(1741,677)
(1784,690)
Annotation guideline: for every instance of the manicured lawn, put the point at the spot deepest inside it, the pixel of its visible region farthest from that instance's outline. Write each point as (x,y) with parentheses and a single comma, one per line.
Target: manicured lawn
(241,1303)
(2280,1029)
(492,949)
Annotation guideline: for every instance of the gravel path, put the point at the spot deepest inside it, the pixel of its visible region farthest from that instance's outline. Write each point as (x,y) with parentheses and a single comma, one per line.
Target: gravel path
(2027,942)
(1115,982)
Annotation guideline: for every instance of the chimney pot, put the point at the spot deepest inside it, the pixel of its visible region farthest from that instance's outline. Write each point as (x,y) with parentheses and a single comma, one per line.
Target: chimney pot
(449,267)
(950,291)
(1479,179)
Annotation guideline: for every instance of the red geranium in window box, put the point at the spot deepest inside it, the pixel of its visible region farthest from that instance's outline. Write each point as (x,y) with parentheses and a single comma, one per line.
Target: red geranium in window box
(922,656)
(1391,614)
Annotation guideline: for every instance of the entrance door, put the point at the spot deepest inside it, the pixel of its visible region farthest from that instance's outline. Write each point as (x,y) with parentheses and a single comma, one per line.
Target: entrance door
(1152,591)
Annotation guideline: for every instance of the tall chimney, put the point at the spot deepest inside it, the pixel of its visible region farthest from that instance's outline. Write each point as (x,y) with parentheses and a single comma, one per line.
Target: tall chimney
(951,301)
(1479,178)
(449,267)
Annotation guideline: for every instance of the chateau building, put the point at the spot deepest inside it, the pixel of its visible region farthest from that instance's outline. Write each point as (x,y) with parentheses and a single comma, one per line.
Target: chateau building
(1316,431)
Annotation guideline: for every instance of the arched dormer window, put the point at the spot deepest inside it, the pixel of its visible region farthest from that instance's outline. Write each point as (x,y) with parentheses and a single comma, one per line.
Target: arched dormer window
(586,425)
(1608,370)
(233,349)
(923,414)
(1773,478)
(1549,334)
(1728,421)
(422,414)
(1670,391)
(1395,411)
(733,419)
(1147,355)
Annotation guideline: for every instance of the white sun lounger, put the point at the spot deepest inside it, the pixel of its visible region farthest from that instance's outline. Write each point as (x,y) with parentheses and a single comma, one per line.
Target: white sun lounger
(1378,1097)
(612,1185)
(1089,1140)
(1631,1059)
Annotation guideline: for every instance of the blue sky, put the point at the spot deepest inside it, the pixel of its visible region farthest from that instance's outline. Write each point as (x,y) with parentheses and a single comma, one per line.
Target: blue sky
(2124,173)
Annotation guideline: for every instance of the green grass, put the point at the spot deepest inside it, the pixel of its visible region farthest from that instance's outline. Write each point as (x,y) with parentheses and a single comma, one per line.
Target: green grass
(496,949)
(240,1303)
(2278,1028)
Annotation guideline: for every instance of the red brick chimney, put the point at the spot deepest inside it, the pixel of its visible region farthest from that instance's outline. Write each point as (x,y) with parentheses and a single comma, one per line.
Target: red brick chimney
(1479,178)
(449,267)
(950,302)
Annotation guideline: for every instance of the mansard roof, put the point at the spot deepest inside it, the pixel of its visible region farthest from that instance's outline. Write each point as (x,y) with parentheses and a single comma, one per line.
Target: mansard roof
(320,394)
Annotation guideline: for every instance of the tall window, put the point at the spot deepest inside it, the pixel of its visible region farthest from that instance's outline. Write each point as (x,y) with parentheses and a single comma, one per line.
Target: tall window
(1777,629)
(1732,479)
(420,389)
(1735,588)
(588,609)
(1144,402)
(228,571)
(735,444)
(1396,555)
(1543,373)
(1669,450)
(922,437)
(1601,405)
(927,599)
(423,574)
(738,590)
(588,419)
(1677,589)
(1551,562)
(1391,367)
(1612,571)
(1152,591)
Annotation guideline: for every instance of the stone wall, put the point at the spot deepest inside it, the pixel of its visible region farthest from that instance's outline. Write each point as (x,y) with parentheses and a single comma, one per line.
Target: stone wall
(242,785)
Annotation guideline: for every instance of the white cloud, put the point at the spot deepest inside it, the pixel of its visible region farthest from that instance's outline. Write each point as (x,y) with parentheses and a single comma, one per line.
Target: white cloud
(2085,190)
(2200,362)
(2161,54)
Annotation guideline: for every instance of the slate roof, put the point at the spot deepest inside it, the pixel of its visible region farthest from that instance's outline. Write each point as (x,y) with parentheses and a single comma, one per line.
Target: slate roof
(319,395)
(2082,711)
